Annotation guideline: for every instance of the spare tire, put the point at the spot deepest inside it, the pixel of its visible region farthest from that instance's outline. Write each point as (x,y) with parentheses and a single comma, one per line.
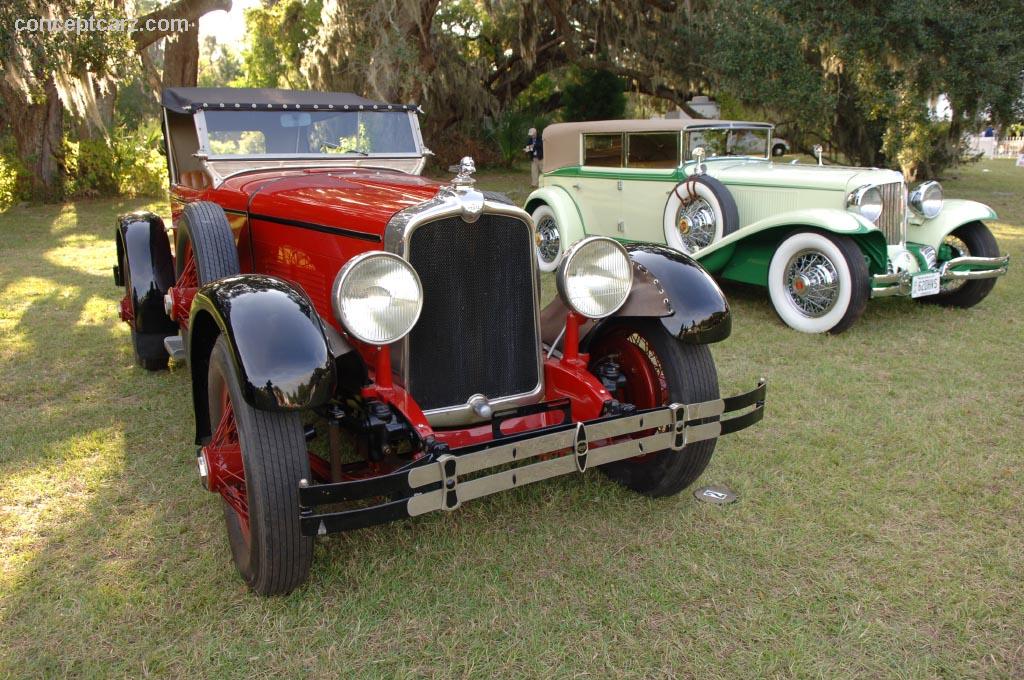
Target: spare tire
(700,211)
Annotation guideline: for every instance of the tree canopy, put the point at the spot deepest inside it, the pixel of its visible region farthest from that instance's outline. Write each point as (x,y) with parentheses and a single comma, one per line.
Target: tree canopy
(861,77)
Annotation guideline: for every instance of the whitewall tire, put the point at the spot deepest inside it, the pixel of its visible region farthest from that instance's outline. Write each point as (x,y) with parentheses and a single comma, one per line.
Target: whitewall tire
(818,282)
(699,211)
(550,241)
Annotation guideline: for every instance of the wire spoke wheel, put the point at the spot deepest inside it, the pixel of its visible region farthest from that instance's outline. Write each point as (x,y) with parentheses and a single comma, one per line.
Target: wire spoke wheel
(255,460)
(812,283)
(645,384)
(656,369)
(696,223)
(224,453)
(968,240)
(550,241)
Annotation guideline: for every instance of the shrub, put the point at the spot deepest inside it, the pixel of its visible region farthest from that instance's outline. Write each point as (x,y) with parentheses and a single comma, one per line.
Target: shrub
(129,163)
(508,134)
(9,190)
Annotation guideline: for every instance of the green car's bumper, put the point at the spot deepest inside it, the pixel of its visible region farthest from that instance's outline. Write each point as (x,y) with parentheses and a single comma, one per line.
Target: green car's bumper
(923,283)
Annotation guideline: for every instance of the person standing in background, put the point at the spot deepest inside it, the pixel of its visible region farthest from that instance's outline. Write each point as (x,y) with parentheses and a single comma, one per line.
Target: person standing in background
(535,150)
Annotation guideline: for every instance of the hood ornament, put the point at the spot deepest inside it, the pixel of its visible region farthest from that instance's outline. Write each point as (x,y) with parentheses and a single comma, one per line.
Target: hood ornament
(464,170)
(461,189)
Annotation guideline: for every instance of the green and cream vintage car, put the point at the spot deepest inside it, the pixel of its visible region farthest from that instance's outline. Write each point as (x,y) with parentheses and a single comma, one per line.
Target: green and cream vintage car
(822,239)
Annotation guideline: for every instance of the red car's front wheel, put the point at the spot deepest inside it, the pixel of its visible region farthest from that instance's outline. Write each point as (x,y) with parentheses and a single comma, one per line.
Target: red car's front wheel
(255,460)
(658,370)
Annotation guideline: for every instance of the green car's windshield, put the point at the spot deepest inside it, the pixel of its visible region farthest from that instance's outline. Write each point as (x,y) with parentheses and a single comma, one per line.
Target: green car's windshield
(718,142)
(361,133)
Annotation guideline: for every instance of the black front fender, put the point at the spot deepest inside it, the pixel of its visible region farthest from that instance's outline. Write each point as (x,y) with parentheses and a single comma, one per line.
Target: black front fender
(276,338)
(144,250)
(700,312)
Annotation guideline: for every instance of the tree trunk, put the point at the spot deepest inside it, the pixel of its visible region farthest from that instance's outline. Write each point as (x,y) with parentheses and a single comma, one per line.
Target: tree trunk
(38,134)
(181,58)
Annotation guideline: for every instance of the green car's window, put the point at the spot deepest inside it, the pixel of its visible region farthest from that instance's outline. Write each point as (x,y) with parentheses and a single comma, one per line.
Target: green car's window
(603,150)
(653,150)
(729,142)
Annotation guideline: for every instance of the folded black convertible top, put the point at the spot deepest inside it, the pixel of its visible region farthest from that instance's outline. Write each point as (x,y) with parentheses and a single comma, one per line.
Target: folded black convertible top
(191,99)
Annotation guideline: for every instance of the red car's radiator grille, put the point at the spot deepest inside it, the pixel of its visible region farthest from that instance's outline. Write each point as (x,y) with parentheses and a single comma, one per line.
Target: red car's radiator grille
(894,208)
(478,330)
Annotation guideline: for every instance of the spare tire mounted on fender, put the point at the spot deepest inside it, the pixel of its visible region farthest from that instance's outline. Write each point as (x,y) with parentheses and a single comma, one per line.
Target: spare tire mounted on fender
(700,211)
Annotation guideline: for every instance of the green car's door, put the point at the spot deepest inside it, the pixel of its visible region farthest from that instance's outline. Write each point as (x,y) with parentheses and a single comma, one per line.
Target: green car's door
(597,190)
(652,162)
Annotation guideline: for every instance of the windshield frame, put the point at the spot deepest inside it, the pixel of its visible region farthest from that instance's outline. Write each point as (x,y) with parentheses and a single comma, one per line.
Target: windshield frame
(206,153)
(686,148)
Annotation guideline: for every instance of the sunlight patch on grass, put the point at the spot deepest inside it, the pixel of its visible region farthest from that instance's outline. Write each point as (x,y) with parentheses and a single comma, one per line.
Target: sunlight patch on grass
(99,311)
(15,300)
(34,502)
(82,252)
(66,219)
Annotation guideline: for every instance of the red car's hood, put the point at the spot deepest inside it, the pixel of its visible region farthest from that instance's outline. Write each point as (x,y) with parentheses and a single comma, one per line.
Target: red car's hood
(358,199)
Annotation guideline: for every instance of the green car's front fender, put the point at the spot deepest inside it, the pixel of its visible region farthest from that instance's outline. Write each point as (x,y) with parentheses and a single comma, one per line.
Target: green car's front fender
(955,213)
(567,214)
(746,254)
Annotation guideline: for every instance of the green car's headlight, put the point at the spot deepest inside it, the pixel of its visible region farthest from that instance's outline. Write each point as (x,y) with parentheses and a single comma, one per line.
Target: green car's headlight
(867,201)
(377,297)
(595,277)
(926,199)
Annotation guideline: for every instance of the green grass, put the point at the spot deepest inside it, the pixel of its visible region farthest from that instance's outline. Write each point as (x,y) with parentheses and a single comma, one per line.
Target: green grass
(879,531)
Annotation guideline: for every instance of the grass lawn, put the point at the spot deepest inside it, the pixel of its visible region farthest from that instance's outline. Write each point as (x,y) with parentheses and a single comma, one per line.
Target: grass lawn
(879,532)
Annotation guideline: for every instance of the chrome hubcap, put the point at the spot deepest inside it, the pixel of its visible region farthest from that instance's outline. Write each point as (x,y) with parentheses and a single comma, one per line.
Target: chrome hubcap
(812,283)
(695,222)
(549,240)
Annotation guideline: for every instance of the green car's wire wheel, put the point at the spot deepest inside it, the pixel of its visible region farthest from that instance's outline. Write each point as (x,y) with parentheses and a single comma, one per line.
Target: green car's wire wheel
(812,282)
(818,282)
(549,239)
(699,212)
(972,239)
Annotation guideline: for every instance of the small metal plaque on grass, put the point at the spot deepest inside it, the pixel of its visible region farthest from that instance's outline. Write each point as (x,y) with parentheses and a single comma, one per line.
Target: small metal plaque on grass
(715,494)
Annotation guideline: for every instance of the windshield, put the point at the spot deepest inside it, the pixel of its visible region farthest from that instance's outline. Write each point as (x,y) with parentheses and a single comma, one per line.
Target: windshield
(720,142)
(353,133)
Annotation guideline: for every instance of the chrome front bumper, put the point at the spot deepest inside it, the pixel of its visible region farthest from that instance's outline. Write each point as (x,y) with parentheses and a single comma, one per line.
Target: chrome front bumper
(886,285)
(450,479)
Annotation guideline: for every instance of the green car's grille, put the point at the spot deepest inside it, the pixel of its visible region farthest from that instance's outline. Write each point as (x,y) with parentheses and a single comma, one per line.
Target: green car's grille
(894,209)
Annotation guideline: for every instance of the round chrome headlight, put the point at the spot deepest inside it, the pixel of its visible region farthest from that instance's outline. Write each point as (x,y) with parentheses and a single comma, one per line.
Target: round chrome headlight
(867,201)
(595,277)
(926,199)
(377,297)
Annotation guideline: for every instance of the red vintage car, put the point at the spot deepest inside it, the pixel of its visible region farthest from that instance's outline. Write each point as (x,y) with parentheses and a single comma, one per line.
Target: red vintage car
(367,345)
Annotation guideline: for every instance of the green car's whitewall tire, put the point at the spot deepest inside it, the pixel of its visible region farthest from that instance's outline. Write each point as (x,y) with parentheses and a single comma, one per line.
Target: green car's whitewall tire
(818,282)
(699,212)
(550,241)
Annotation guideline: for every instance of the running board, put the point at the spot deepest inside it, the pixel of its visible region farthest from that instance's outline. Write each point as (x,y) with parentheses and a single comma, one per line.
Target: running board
(175,347)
